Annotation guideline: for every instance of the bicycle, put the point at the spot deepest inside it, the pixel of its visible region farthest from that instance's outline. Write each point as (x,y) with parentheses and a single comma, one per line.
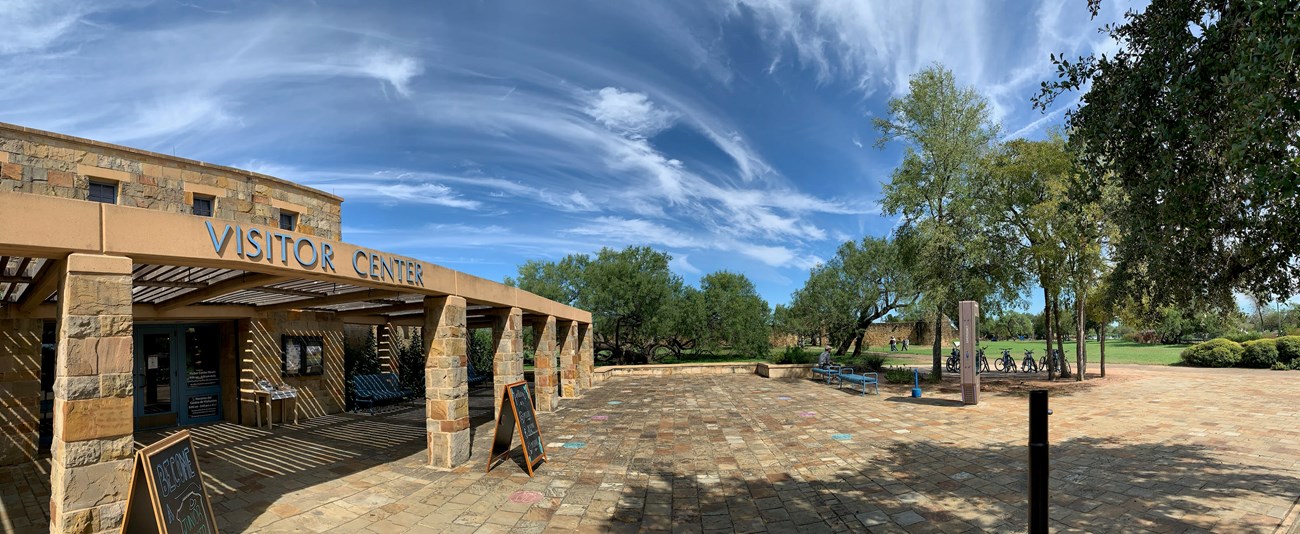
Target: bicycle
(1006,363)
(1029,365)
(954,362)
(981,363)
(1062,366)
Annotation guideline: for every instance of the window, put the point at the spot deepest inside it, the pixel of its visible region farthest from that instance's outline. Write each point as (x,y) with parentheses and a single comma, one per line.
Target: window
(302,356)
(203,206)
(288,220)
(105,192)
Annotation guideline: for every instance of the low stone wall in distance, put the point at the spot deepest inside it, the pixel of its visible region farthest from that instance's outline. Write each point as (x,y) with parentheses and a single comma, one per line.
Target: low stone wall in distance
(763,369)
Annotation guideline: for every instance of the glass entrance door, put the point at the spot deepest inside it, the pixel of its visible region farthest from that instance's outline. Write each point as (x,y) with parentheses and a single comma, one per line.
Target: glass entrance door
(201,392)
(177,375)
(154,377)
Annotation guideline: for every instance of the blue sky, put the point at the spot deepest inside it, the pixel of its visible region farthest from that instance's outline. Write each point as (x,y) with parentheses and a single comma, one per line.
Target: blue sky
(479,134)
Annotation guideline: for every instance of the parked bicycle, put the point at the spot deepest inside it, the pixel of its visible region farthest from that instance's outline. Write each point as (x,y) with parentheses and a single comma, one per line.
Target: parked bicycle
(981,363)
(954,362)
(1029,365)
(1005,363)
(1062,366)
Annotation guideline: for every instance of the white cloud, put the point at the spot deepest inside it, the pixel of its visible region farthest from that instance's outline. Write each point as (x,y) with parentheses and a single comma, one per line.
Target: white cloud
(680,262)
(32,25)
(628,113)
(393,68)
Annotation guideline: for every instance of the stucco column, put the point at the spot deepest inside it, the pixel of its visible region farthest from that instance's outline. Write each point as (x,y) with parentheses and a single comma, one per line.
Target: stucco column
(446,380)
(508,358)
(586,355)
(544,366)
(567,335)
(92,452)
(385,348)
(20,389)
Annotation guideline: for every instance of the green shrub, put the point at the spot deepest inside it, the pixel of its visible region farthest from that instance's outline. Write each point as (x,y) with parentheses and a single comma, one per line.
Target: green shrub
(1279,366)
(1217,352)
(793,354)
(898,375)
(1242,337)
(1288,349)
(1259,354)
(874,362)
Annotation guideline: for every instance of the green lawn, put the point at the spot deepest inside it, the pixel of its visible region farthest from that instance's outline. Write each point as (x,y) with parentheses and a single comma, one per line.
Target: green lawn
(1116,351)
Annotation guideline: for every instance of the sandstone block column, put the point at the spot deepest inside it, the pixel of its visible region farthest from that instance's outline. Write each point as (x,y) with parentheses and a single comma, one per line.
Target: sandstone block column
(20,389)
(386,348)
(567,335)
(91,463)
(446,380)
(508,359)
(586,355)
(544,368)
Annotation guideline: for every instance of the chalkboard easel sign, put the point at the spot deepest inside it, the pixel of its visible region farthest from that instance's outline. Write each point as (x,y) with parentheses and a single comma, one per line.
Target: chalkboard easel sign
(516,411)
(167,494)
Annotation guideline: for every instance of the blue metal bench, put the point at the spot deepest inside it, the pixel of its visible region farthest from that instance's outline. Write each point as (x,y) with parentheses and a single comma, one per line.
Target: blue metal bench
(475,378)
(828,372)
(369,389)
(866,379)
(394,383)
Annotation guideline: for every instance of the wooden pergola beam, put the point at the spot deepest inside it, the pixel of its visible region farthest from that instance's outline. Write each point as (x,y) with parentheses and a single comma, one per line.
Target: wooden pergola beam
(218,289)
(353,296)
(383,310)
(41,287)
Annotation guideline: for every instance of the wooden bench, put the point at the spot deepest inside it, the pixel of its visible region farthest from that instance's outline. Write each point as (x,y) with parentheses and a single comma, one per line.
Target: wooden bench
(370,389)
(827,373)
(866,379)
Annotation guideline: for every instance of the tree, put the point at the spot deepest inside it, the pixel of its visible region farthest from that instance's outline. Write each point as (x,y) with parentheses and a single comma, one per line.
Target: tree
(560,281)
(863,283)
(947,133)
(731,314)
(1196,118)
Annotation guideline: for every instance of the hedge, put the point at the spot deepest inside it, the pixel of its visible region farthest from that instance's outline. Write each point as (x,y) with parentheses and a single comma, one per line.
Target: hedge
(1259,354)
(1288,349)
(1217,352)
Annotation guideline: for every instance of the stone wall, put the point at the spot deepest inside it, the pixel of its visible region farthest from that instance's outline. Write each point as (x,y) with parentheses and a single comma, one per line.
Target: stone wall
(51,164)
(263,356)
(20,389)
(878,334)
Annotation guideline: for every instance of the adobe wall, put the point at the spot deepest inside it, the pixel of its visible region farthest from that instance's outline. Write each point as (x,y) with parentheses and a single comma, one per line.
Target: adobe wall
(51,164)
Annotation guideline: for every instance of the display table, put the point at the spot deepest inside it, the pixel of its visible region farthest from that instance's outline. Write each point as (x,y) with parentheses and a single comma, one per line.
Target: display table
(284,396)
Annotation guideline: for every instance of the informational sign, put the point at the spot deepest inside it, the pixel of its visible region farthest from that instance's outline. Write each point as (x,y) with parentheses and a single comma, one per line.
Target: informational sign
(202,406)
(516,412)
(167,494)
(153,362)
(968,335)
(201,378)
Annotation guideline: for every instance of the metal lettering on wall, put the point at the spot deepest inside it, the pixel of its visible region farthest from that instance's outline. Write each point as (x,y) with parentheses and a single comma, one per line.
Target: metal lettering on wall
(256,244)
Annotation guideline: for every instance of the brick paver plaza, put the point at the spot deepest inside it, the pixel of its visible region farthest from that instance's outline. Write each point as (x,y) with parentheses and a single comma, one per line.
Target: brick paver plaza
(1152,448)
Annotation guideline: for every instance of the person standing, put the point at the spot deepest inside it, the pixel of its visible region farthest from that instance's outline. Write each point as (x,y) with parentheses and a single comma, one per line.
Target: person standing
(904,344)
(893,344)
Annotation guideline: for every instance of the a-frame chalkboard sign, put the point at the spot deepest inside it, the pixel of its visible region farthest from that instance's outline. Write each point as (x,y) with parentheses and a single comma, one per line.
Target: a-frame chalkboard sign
(516,411)
(167,494)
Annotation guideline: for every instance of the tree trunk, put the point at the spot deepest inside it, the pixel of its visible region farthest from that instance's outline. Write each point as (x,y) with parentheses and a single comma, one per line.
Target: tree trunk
(857,344)
(1047,325)
(1101,342)
(1060,336)
(1080,345)
(937,369)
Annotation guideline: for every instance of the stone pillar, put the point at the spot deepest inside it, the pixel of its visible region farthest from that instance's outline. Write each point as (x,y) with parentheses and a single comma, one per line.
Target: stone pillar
(90,468)
(446,380)
(567,335)
(545,377)
(386,348)
(586,355)
(508,359)
(20,389)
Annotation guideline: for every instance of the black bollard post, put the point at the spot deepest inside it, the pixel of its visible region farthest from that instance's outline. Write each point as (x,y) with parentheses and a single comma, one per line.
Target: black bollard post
(1038,413)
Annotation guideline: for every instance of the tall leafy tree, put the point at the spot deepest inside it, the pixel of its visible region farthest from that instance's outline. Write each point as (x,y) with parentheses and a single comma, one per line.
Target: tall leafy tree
(1197,118)
(946,133)
(732,315)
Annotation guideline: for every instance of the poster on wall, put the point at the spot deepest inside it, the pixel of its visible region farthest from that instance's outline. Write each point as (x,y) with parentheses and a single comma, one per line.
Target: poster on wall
(292,357)
(200,406)
(313,364)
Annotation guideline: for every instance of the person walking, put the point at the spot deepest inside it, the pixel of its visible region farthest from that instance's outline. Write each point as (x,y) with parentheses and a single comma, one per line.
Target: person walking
(893,344)
(904,344)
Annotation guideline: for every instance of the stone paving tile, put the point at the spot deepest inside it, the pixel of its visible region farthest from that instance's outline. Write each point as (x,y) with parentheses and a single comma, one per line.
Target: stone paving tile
(1151,449)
